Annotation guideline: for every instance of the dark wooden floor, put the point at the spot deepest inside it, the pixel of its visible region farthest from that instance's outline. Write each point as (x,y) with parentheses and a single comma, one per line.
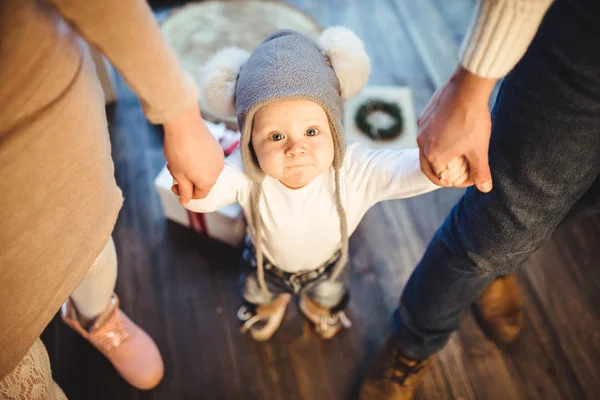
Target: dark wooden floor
(180,286)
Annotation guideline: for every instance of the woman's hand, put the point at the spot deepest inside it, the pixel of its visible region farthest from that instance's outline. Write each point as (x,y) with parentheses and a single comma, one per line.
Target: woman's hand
(194,157)
(456,123)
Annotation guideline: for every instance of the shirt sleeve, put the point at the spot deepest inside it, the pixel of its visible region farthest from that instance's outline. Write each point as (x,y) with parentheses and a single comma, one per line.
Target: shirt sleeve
(499,35)
(232,186)
(127,33)
(385,174)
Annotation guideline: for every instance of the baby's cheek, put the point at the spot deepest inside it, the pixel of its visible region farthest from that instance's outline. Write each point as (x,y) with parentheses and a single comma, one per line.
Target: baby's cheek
(325,156)
(269,163)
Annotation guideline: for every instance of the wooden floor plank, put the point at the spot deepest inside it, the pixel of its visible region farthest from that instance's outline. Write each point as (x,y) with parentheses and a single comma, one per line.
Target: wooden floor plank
(454,369)
(457,15)
(484,365)
(572,317)
(438,28)
(580,248)
(431,36)
(537,364)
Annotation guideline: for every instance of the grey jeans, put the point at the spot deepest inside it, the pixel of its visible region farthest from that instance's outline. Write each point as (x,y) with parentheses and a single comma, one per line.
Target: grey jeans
(322,290)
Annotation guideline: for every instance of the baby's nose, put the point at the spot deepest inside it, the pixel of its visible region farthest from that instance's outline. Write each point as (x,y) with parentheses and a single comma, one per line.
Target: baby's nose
(295,149)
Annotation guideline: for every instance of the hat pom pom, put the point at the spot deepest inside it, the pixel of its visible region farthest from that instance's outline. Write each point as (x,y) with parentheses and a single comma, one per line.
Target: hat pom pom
(219,78)
(348,58)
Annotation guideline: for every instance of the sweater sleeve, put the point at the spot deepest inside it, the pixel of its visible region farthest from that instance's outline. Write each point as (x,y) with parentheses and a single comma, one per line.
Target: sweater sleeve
(384,174)
(232,186)
(127,33)
(499,34)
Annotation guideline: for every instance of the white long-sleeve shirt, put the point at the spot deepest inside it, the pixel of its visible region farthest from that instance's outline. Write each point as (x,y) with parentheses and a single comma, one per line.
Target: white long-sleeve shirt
(301,227)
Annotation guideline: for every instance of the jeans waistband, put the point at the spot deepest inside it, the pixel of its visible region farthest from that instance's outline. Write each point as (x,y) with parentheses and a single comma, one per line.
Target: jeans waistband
(294,280)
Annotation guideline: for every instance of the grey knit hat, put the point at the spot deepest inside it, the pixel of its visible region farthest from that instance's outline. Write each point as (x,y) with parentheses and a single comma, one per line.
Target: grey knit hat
(287,65)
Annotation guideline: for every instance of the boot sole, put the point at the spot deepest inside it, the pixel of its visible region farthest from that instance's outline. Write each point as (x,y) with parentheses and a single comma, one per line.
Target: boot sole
(315,321)
(265,333)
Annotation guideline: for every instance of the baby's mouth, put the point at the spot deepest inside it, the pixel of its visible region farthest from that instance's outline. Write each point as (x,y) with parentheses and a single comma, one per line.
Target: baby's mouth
(297,166)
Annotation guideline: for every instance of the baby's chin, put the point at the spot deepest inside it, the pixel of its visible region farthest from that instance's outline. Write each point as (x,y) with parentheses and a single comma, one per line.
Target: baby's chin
(298,177)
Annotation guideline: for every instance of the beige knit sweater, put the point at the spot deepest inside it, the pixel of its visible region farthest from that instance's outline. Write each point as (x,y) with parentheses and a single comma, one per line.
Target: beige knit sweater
(499,35)
(59,200)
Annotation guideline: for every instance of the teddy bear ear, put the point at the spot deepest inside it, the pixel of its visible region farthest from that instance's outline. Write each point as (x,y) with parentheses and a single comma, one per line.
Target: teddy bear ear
(218,80)
(348,58)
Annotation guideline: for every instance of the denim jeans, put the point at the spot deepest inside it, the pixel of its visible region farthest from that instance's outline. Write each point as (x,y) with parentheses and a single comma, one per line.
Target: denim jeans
(544,156)
(322,290)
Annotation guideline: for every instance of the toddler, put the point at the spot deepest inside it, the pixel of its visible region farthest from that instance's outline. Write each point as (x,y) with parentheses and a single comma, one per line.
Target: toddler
(302,188)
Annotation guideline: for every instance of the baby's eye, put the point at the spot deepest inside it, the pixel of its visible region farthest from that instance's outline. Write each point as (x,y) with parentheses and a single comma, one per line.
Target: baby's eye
(277,136)
(311,132)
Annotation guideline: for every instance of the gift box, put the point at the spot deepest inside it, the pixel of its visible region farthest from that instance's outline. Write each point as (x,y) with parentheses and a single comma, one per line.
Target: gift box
(228,224)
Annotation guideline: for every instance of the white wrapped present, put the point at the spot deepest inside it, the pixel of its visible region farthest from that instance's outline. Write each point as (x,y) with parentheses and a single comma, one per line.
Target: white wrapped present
(228,224)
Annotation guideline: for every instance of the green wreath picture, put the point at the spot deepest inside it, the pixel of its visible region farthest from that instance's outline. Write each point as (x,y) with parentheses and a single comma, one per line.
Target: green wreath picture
(378,133)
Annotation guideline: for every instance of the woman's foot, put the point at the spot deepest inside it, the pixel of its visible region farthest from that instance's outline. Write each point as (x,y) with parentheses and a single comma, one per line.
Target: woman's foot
(327,323)
(263,320)
(131,351)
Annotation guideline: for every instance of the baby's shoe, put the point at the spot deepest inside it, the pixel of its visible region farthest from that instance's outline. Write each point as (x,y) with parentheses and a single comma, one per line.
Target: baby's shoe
(327,323)
(130,350)
(263,320)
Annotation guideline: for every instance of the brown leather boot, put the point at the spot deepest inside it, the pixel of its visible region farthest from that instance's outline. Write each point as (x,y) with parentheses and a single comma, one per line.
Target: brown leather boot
(392,376)
(262,321)
(499,310)
(325,322)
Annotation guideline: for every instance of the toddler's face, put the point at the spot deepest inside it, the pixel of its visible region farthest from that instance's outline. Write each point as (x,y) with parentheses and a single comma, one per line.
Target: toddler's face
(292,141)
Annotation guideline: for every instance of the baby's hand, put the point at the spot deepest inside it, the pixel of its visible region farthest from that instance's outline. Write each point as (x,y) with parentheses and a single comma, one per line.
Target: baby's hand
(175,189)
(456,172)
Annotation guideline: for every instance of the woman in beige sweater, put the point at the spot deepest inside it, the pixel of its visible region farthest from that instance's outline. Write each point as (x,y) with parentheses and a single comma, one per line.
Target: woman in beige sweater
(59,198)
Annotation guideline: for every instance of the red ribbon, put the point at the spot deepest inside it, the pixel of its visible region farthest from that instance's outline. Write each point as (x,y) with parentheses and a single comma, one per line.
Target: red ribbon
(197,221)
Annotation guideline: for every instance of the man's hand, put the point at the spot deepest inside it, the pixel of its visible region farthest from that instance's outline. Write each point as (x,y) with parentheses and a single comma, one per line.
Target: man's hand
(194,157)
(456,123)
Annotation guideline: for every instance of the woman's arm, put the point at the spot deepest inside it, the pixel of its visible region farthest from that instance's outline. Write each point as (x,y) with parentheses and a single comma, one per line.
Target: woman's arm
(126,32)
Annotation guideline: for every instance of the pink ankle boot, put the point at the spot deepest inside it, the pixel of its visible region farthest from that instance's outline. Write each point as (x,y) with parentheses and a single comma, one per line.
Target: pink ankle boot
(131,351)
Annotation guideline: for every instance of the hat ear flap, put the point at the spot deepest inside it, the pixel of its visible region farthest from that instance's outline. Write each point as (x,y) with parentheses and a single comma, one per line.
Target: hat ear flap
(218,80)
(348,58)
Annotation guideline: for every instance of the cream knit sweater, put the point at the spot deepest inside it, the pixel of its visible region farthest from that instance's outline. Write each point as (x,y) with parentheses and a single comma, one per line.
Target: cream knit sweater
(499,35)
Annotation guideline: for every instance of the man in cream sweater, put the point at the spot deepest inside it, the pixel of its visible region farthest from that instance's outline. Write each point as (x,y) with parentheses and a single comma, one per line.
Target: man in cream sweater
(532,162)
